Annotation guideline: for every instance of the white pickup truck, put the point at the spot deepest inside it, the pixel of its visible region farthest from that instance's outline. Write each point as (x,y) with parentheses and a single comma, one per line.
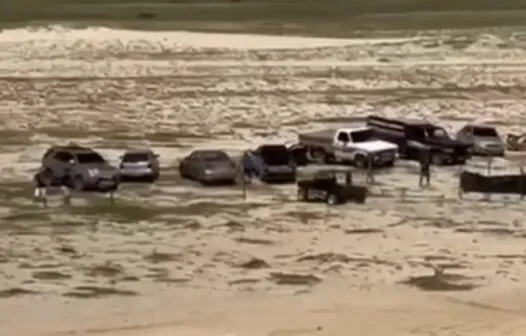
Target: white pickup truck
(348,145)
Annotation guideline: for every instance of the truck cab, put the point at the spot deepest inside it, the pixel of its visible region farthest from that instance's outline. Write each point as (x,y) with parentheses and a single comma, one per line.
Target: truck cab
(359,144)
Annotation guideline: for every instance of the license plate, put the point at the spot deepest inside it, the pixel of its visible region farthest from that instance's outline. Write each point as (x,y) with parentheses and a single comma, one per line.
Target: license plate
(136,171)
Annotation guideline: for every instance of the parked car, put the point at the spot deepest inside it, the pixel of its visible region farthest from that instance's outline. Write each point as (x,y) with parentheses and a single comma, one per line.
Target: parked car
(484,140)
(270,163)
(349,145)
(139,165)
(79,168)
(411,135)
(516,142)
(299,154)
(326,186)
(209,167)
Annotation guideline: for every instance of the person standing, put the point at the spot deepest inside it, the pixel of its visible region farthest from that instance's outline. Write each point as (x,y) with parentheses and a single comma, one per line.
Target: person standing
(41,185)
(425,167)
(42,181)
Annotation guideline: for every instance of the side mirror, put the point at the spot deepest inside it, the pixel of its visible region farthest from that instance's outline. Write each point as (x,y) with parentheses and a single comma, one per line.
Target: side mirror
(156,156)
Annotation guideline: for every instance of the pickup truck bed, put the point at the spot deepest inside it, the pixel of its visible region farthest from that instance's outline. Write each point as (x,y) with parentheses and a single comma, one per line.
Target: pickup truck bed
(321,138)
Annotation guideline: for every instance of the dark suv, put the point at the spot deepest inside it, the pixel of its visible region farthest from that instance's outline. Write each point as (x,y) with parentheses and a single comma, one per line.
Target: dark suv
(414,135)
(79,168)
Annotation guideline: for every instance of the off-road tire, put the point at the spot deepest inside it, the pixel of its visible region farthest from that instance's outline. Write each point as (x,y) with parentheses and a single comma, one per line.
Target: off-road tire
(152,178)
(318,156)
(77,184)
(302,195)
(360,161)
(47,177)
(437,159)
(183,174)
(332,199)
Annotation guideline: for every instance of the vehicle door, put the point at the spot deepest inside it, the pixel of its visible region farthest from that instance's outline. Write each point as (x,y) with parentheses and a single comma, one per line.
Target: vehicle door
(61,164)
(416,141)
(465,135)
(257,162)
(342,140)
(318,190)
(192,165)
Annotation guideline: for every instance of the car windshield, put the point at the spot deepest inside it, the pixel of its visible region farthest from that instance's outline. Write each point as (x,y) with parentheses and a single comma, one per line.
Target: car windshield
(213,156)
(436,132)
(362,135)
(485,132)
(275,155)
(90,158)
(135,157)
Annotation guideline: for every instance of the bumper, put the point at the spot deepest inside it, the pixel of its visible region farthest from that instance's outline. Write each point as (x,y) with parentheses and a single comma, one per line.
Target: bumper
(383,161)
(136,172)
(454,159)
(218,177)
(488,152)
(103,185)
(384,158)
(279,177)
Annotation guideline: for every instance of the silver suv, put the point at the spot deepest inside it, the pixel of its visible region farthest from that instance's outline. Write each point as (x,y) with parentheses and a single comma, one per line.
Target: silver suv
(78,168)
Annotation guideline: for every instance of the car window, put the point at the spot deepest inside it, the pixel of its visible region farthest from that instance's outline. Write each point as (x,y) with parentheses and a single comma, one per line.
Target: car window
(211,156)
(437,132)
(485,131)
(416,132)
(136,157)
(275,155)
(362,135)
(467,130)
(343,137)
(90,157)
(63,156)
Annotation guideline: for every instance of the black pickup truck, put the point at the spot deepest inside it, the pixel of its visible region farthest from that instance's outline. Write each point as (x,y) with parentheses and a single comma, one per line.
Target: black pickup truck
(413,135)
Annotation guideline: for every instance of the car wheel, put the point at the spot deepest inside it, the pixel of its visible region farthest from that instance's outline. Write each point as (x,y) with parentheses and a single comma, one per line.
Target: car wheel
(47,177)
(389,164)
(182,173)
(318,156)
(302,195)
(332,199)
(78,184)
(360,161)
(437,159)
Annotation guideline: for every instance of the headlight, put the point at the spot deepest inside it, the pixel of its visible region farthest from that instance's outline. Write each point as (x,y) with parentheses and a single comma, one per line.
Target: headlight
(93,172)
(448,150)
(208,171)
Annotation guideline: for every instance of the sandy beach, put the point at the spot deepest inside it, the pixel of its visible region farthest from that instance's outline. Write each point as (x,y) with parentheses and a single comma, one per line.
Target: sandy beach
(176,258)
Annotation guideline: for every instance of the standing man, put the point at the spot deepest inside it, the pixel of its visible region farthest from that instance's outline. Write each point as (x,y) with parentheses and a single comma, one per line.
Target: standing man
(40,185)
(42,181)
(425,167)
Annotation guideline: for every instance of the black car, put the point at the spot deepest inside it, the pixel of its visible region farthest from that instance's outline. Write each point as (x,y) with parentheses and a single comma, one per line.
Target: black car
(271,163)
(324,185)
(209,167)
(411,135)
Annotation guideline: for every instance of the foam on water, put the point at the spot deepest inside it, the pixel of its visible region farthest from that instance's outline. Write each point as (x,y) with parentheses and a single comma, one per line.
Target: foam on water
(59,51)
(62,34)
